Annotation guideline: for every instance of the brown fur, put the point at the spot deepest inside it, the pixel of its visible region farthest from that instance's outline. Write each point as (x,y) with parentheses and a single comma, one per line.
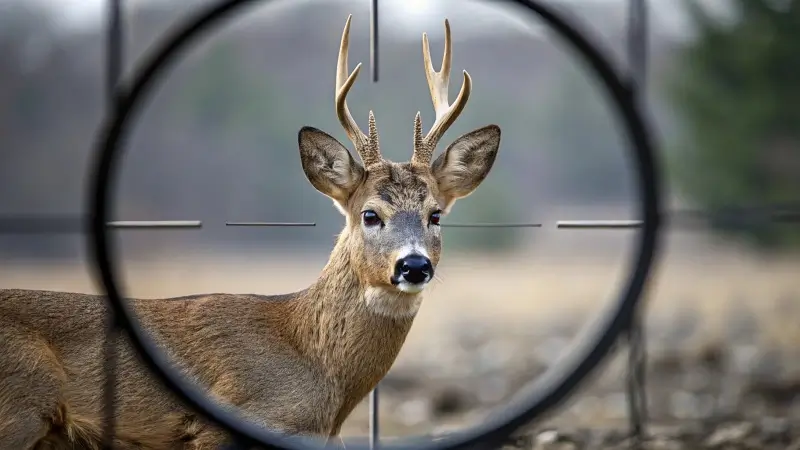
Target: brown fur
(297,363)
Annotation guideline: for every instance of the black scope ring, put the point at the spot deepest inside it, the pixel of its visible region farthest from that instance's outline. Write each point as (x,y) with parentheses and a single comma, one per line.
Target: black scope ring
(548,391)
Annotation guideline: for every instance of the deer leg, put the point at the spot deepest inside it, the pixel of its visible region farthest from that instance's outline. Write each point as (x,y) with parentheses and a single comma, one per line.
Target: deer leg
(214,439)
(210,440)
(30,381)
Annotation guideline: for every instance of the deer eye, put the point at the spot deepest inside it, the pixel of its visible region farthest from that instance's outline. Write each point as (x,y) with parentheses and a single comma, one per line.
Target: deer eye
(435,217)
(371,218)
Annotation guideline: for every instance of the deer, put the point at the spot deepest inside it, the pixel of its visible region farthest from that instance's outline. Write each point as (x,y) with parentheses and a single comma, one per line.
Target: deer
(296,363)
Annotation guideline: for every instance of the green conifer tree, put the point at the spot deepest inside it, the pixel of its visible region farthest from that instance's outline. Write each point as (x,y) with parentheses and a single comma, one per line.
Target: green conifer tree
(736,89)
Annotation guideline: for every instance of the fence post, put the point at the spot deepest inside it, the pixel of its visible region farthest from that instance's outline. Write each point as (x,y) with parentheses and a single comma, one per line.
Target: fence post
(637,356)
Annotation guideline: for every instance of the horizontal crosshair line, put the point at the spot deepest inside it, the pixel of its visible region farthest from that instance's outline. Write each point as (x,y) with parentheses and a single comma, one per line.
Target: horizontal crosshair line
(155,224)
(739,217)
(270,224)
(742,217)
(492,225)
(76,224)
(598,224)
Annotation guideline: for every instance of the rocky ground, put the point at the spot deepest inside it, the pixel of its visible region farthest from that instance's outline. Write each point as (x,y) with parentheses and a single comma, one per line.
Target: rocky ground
(733,393)
(756,434)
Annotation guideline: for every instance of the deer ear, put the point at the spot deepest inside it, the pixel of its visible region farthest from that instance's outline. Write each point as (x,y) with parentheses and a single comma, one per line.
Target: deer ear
(328,165)
(466,163)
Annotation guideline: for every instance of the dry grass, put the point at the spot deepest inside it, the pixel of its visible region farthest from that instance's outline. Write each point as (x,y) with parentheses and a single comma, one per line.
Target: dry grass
(578,278)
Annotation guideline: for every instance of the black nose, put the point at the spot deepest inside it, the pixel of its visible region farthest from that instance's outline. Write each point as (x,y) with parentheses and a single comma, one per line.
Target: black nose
(414,268)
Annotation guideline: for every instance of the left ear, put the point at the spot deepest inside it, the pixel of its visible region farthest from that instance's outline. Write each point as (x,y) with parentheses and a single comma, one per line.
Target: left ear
(466,163)
(328,165)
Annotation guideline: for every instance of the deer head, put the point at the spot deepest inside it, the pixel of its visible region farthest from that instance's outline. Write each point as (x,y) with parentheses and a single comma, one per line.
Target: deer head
(393,209)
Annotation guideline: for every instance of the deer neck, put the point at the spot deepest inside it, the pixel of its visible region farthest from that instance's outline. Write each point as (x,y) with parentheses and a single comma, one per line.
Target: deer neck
(351,329)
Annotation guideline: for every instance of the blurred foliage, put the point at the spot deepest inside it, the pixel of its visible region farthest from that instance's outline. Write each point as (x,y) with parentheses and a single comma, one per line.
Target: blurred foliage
(221,125)
(217,138)
(736,88)
(581,134)
(488,204)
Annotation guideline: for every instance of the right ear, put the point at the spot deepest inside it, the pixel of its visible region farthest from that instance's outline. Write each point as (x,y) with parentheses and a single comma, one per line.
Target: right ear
(328,165)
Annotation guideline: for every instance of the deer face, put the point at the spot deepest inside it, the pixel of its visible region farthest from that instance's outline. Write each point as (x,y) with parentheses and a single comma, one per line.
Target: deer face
(393,209)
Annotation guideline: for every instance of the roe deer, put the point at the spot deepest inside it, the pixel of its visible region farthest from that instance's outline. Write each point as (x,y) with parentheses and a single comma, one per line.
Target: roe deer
(296,363)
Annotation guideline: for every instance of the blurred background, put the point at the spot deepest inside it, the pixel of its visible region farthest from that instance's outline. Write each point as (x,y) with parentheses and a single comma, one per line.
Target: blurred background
(217,142)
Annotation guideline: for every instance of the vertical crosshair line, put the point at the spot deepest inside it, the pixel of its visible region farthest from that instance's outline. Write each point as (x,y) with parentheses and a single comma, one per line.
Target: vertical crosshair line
(374,429)
(373,39)
(637,41)
(114,63)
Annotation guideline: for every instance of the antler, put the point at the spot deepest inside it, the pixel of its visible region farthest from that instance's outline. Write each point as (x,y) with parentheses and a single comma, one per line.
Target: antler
(446,114)
(366,146)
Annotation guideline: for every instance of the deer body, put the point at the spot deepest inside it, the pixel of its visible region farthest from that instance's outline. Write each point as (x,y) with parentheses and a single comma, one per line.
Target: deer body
(296,363)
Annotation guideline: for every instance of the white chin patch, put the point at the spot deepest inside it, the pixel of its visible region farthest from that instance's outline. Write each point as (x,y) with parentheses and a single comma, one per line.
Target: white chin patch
(391,303)
(409,288)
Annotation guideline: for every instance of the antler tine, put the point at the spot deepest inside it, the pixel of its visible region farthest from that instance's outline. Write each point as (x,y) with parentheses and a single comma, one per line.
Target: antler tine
(438,84)
(366,146)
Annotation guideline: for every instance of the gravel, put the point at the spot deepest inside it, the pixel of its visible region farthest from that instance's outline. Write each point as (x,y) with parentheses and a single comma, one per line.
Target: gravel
(732,393)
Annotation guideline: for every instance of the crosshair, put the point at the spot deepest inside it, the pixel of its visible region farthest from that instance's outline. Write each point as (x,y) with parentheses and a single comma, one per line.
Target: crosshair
(549,390)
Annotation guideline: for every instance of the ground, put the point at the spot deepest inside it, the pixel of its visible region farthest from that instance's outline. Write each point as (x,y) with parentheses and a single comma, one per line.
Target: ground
(723,335)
